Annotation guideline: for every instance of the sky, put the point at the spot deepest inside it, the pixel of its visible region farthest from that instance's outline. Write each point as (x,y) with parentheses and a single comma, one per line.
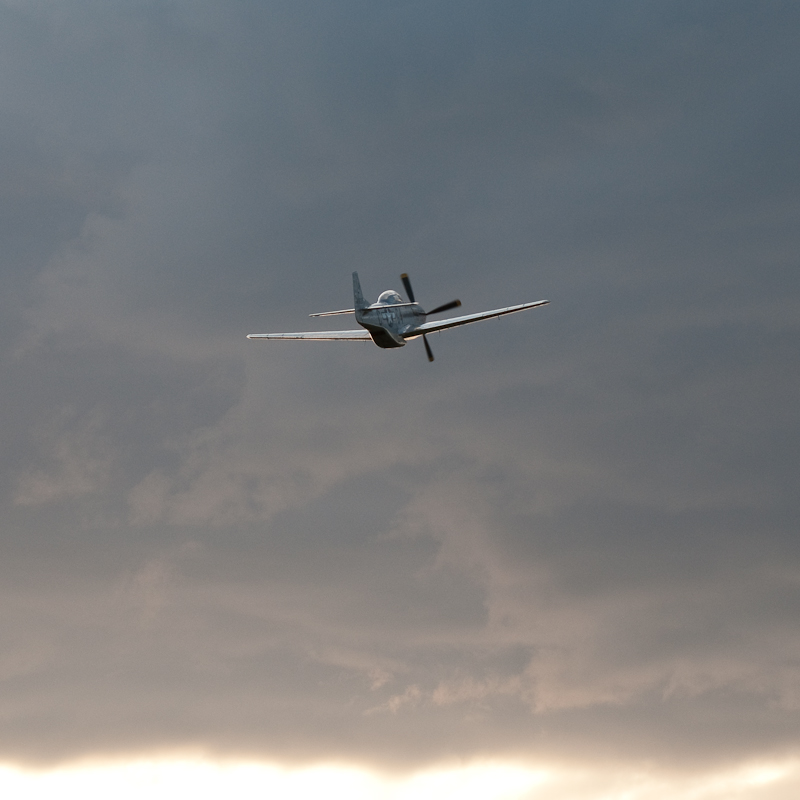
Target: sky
(563,560)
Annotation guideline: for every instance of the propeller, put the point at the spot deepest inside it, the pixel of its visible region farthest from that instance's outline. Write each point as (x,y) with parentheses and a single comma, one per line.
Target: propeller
(407,285)
(437,310)
(445,307)
(427,347)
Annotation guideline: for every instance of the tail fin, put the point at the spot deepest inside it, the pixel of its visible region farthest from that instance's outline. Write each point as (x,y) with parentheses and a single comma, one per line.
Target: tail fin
(358,299)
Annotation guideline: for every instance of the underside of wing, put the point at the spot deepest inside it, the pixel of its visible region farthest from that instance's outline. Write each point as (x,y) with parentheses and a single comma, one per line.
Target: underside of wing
(453,322)
(320,336)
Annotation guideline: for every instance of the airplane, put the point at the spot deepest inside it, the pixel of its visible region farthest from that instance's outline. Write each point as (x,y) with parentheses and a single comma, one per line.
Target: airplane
(390,322)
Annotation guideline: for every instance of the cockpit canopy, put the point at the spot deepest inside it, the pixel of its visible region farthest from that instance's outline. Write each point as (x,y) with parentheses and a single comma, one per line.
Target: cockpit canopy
(389,298)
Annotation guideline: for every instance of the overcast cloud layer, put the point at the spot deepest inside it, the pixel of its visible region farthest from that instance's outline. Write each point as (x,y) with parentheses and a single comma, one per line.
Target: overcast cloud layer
(573,537)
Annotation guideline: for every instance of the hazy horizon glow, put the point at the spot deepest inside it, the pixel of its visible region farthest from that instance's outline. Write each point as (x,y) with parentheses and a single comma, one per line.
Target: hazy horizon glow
(203,779)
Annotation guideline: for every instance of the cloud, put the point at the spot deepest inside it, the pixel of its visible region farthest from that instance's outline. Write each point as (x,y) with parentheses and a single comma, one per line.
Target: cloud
(81,461)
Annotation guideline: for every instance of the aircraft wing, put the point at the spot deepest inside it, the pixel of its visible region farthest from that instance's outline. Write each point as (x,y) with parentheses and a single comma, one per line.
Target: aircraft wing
(321,336)
(443,324)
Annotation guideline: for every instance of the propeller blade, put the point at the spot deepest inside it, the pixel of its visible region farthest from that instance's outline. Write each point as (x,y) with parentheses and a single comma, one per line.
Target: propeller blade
(427,347)
(446,307)
(409,290)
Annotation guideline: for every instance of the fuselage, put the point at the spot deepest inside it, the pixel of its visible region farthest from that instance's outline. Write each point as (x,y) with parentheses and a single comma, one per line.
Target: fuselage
(391,321)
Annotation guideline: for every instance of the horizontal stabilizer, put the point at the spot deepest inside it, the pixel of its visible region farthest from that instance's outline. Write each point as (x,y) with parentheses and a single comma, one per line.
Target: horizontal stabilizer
(321,336)
(373,307)
(333,313)
(376,306)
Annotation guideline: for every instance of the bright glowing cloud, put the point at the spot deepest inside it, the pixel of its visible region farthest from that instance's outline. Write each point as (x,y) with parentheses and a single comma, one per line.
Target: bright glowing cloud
(158,779)
(162,778)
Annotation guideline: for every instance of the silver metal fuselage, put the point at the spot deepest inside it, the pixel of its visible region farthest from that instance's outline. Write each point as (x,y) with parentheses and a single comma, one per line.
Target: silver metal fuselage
(391,322)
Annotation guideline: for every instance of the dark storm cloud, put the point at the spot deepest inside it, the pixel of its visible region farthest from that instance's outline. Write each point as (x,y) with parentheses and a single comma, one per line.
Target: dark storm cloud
(573,536)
